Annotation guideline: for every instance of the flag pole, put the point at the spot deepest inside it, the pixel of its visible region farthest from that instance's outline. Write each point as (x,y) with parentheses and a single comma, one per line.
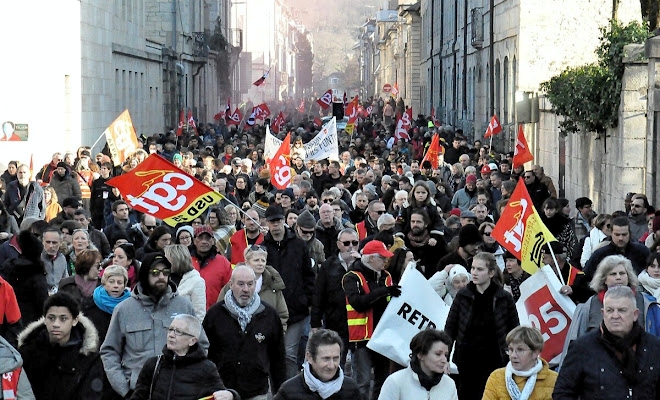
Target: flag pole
(561,278)
(97,140)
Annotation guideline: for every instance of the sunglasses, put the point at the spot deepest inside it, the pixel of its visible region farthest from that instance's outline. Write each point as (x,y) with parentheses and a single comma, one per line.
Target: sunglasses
(350,243)
(487,233)
(380,212)
(256,247)
(156,272)
(306,232)
(637,205)
(150,227)
(328,200)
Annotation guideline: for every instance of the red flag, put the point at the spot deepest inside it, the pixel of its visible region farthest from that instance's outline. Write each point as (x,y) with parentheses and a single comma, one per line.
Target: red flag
(261,80)
(433,151)
(235,118)
(276,125)
(318,122)
(326,99)
(261,111)
(182,121)
(280,165)
(301,107)
(368,111)
(157,187)
(521,153)
(494,127)
(345,100)
(219,116)
(191,120)
(352,114)
(403,124)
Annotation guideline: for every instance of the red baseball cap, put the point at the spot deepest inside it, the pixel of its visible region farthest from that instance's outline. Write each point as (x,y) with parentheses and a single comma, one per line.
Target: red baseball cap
(376,247)
(203,229)
(485,169)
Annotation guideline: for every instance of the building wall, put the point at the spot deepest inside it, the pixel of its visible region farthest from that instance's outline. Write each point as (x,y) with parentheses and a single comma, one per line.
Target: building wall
(41,77)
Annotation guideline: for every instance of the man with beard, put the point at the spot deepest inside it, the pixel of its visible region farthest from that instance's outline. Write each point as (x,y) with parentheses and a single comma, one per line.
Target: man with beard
(24,198)
(637,217)
(469,241)
(245,237)
(466,197)
(138,328)
(425,245)
(64,184)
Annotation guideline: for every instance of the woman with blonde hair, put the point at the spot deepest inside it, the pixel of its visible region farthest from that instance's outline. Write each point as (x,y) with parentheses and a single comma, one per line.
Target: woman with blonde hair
(113,290)
(269,284)
(190,283)
(53,206)
(601,231)
(526,376)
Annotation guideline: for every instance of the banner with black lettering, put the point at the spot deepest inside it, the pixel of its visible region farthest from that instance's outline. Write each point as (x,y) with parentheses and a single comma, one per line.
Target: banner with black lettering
(419,307)
(543,307)
(324,145)
(157,187)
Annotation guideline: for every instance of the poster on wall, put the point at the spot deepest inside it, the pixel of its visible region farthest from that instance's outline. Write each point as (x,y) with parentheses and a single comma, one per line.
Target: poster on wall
(12,132)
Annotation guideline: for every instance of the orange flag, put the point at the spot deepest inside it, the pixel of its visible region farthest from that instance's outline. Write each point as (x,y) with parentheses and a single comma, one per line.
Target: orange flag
(433,151)
(494,127)
(280,165)
(521,154)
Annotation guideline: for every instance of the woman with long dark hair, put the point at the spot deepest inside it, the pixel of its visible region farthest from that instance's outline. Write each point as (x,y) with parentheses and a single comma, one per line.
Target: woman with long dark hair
(559,225)
(160,237)
(8,224)
(480,317)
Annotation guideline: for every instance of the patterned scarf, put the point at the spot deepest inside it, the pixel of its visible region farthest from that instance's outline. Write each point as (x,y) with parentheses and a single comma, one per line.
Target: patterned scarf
(244,314)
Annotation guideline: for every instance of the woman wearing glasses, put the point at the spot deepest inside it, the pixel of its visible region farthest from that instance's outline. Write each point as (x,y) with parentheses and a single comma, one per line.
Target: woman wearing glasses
(526,375)
(480,317)
(81,285)
(269,282)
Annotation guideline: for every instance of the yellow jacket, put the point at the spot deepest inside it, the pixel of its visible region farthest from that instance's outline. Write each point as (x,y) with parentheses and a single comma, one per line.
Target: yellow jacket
(496,384)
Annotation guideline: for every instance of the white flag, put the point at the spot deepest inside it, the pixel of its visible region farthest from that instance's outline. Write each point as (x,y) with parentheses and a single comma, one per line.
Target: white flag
(325,143)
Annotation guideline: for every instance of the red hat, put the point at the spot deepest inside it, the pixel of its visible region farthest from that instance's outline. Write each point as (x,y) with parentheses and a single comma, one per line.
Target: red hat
(456,212)
(485,169)
(376,247)
(203,229)
(471,179)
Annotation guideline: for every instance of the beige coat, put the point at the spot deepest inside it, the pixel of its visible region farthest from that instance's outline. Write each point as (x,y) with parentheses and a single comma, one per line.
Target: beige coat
(270,293)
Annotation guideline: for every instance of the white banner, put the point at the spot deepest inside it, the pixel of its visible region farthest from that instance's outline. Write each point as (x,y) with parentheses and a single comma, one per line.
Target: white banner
(419,307)
(543,307)
(271,145)
(324,145)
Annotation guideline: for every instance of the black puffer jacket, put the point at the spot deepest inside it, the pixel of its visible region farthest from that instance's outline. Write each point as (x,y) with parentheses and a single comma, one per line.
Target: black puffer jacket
(73,371)
(329,302)
(291,259)
(505,314)
(296,389)
(27,276)
(188,377)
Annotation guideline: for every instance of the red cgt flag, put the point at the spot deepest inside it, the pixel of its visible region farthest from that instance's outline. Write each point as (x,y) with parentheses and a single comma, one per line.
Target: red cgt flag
(261,80)
(521,154)
(280,165)
(191,120)
(157,187)
(434,151)
(261,111)
(235,118)
(325,100)
(301,107)
(182,122)
(494,127)
(276,124)
(403,125)
(318,122)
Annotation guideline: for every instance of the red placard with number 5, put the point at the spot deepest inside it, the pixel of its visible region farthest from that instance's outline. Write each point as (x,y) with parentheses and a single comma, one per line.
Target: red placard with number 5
(550,318)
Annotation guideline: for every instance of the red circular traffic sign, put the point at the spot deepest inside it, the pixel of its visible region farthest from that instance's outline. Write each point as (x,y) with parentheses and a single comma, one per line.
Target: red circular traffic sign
(387,88)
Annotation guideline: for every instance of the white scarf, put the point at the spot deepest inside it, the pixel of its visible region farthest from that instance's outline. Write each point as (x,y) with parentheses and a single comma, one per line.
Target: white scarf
(652,285)
(324,389)
(531,374)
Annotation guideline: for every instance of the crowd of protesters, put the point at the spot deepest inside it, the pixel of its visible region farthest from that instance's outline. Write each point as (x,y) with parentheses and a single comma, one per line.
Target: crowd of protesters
(277,292)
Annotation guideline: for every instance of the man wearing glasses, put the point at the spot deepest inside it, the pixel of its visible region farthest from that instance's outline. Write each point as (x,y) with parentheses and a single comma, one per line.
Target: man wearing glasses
(369,226)
(637,217)
(329,301)
(138,328)
(327,228)
(139,233)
